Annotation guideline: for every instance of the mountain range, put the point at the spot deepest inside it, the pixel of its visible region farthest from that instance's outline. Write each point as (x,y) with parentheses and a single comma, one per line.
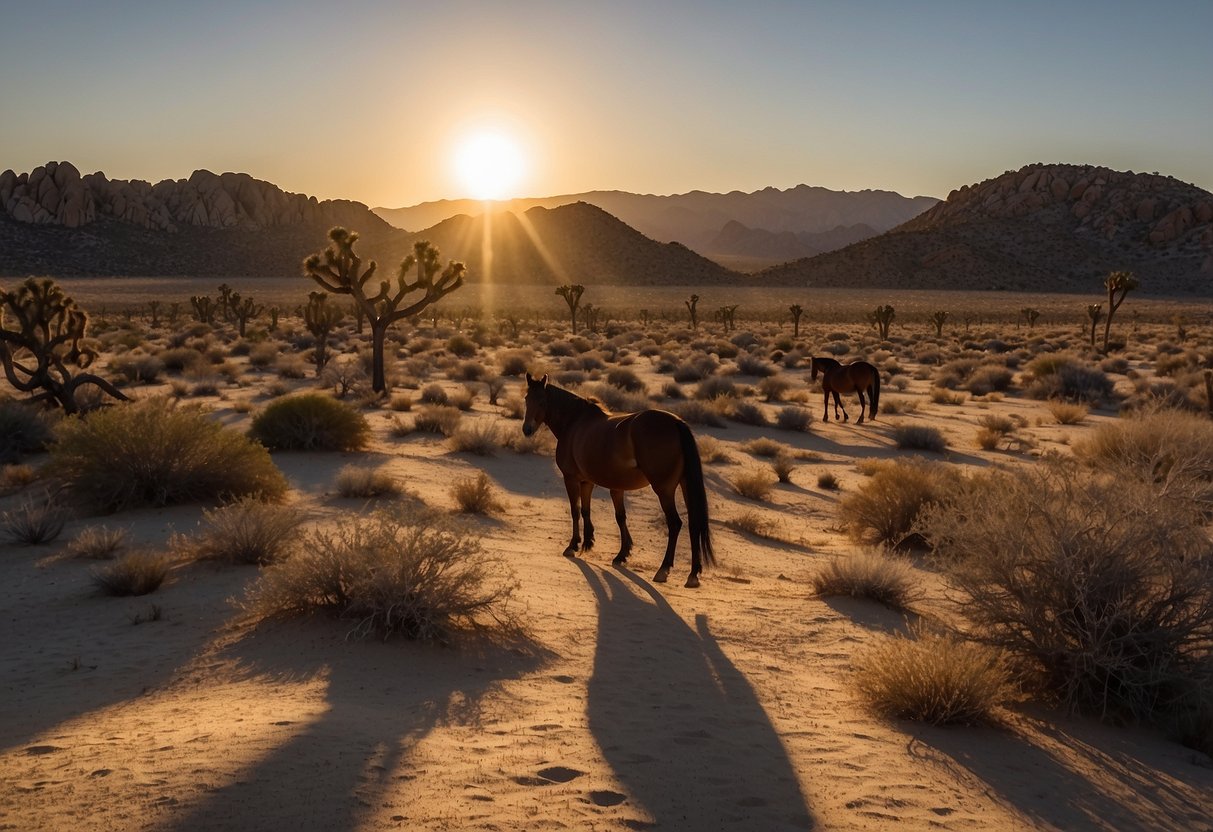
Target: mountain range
(1040,228)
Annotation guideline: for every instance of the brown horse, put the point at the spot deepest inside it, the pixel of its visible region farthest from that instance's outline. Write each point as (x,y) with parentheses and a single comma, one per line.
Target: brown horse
(623,452)
(859,378)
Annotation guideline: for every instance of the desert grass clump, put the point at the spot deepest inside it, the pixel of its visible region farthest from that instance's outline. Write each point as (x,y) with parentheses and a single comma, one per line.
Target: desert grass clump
(402,571)
(1100,586)
(753,484)
(765,447)
(16,477)
(1060,376)
(994,429)
(712,451)
(827,481)
(919,438)
(310,422)
(933,678)
(941,395)
(438,419)
(151,453)
(1067,413)
(476,495)
(783,465)
(625,379)
(481,438)
(752,523)
(751,365)
(246,531)
(1163,446)
(747,413)
(884,510)
(434,394)
(715,387)
(363,482)
(136,573)
(793,419)
(98,543)
(699,413)
(33,521)
(401,402)
(24,429)
(870,574)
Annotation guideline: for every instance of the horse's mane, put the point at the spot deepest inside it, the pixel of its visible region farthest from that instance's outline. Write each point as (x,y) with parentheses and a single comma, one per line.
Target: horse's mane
(569,399)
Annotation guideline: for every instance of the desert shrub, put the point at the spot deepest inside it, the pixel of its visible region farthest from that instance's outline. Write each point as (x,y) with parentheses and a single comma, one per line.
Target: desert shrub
(310,422)
(712,450)
(885,508)
(774,388)
(616,400)
(291,365)
(463,399)
(988,379)
(437,419)
(1058,376)
(178,359)
(793,418)
(434,394)
(467,371)
(625,379)
(747,413)
(401,402)
(360,481)
(461,345)
(514,407)
(136,573)
(476,495)
(1159,446)
(837,348)
(699,413)
(892,406)
(1067,413)
(481,438)
(751,365)
(919,438)
(136,367)
(752,523)
(783,464)
(33,521)
(152,453)
(941,395)
(97,543)
(24,429)
(937,679)
(515,362)
(246,531)
(16,477)
(671,390)
(696,368)
(868,574)
(716,387)
(955,373)
(542,443)
(263,355)
(1101,586)
(827,481)
(754,484)
(402,571)
(765,447)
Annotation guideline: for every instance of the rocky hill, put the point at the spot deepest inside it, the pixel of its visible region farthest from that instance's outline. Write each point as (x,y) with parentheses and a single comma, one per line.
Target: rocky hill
(696,219)
(55,221)
(1041,228)
(739,240)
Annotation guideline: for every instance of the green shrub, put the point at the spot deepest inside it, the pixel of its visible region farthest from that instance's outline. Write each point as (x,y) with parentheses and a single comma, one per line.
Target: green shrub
(310,422)
(399,572)
(152,453)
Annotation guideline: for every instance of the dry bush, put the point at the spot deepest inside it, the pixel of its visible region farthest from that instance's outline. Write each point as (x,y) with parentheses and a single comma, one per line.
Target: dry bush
(1160,446)
(481,437)
(751,365)
(1061,376)
(1101,586)
(97,543)
(868,574)
(892,406)
(401,402)
(33,521)
(699,413)
(765,447)
(358,481)
(515,362)
(16,477)
(715,387)
(310,422)
(754,484)
(752,523)
(774,388)
(24,429)
(1067,413)
(514,407)
(827,481)
(940,395)
(476,495)
(137,367)
(541,442)
(247,531)
(152,453)
(783,464)
(793,418)
(885,508)
(434,394)
(625,379)
(136,573)
(919,438)
(712,450)
(747,413)
(437,419)
(402,571)
(989,378)
(937,679)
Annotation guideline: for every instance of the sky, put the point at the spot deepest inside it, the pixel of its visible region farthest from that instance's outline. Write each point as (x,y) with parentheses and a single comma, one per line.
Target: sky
(368,100)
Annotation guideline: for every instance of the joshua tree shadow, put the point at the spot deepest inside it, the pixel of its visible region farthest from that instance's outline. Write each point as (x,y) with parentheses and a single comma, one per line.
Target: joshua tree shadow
(679,724)
(380,700)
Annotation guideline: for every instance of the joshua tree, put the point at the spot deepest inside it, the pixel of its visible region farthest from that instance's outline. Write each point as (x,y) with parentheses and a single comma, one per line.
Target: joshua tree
(226,301)
(1094,312)
(40,333)
(644,318)
(727,316)
(338,270)
(692,303)
(243,310)
(589,314)
(204,308)
(275,312)
(153,306)
(572,296)
(882,317)
(796,311)
(1030,315)
(360,316)
(1118,285)
(939,319)
(174,312)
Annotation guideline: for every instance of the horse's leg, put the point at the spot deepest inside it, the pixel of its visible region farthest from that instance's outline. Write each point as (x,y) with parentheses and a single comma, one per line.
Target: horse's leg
(825,415)
(862,405)
(573,487)
(625,537)
(838,403)
(587,488)
(674,524)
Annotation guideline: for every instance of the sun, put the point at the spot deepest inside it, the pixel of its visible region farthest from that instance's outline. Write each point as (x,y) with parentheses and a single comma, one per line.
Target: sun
(489,165)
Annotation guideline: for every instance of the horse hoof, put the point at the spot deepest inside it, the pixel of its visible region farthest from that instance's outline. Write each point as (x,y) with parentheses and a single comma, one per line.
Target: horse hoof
(859,421)
(570,552)
(661,576)
(692,582)
(619,560)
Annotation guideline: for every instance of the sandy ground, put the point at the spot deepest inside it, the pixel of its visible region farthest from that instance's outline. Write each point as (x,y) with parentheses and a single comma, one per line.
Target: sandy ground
(637,706)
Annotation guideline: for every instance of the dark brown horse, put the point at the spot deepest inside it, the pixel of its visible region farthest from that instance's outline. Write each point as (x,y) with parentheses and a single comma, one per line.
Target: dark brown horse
(859,378)
(623,452)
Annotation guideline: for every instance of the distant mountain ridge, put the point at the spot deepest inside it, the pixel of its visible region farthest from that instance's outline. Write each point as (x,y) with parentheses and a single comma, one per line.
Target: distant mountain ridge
(55,221)
(1044,227)
(697,219)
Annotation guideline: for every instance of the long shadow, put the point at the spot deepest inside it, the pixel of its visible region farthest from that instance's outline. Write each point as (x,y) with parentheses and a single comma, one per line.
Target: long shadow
(679,724)
(1127,794)
(380,700)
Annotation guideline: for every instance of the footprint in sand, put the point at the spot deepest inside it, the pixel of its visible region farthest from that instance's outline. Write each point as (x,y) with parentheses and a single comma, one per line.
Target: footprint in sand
(605,797)
(560,774)
(39,750)
(564,680)
(102,772)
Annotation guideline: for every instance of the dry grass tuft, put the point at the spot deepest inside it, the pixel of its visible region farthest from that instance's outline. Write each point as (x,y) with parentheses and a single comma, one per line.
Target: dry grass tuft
(136,573)
(884,509)
(868,574)
(98,543)
(247,531)
(358,481)
(476,495)
(919,438)
(482,438)
(33,522)
(1067,413)
(754,484)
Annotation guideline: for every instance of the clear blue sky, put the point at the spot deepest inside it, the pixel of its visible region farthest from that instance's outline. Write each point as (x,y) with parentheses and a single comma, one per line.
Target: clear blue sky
(366,102)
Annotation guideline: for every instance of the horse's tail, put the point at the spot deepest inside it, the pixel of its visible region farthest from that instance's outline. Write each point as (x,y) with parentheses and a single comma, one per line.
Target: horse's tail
(696,495)
(875,394)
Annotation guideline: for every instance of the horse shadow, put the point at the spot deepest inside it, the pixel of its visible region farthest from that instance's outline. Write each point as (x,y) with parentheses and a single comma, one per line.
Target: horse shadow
(380,699)
(679,724)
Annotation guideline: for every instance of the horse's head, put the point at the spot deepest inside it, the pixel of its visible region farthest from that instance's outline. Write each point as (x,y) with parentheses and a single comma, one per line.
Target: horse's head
(536,404)
(813,365)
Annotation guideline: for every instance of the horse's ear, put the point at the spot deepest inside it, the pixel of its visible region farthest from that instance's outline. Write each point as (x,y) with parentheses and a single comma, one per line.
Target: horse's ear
(529,380)
(544,380)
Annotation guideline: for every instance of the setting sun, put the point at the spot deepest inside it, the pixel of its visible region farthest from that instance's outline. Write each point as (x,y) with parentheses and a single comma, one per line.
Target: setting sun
(490,165)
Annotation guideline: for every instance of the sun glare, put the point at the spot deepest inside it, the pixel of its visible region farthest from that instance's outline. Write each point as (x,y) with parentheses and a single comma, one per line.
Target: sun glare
(489,165)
